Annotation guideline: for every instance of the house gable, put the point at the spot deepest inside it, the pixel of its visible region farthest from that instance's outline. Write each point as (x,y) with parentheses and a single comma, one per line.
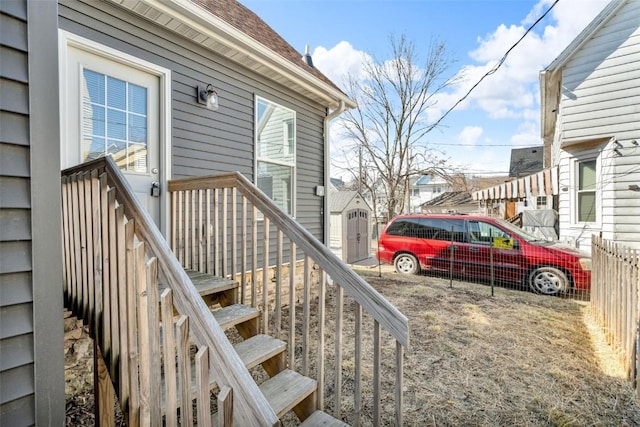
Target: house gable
(593,118)
(233,31)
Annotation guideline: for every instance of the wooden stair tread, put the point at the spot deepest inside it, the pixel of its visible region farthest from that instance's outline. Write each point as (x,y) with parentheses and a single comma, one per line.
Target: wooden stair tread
(207,284)
(235,314)
(252,352)
(259,348)
(286,389)
(322,419)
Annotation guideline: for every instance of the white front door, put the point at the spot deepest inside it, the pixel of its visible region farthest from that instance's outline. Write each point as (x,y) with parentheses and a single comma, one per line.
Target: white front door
(114,109)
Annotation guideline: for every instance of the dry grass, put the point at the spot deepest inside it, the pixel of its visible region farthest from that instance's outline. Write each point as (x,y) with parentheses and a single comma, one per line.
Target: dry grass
(514,359)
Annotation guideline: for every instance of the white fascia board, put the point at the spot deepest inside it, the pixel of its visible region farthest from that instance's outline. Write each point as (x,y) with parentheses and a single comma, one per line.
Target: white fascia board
(208,24)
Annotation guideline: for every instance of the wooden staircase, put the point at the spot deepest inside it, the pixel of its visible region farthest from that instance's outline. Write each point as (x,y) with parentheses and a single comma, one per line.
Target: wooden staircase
(233,304)
(265,356)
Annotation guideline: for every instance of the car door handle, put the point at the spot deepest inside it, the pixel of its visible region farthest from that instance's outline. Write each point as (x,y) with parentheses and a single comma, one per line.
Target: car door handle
(453,247)
(474,249)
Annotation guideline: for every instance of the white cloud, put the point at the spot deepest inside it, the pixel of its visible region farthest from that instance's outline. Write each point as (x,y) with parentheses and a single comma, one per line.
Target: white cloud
(470,135)
(528,133)
(512,91)
(339,61)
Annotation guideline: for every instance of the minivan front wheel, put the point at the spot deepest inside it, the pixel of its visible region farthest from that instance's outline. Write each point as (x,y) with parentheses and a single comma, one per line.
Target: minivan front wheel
(406,264)
(548,281)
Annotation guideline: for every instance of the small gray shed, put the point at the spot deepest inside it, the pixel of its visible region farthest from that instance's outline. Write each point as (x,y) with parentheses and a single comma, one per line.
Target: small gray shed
(350,225)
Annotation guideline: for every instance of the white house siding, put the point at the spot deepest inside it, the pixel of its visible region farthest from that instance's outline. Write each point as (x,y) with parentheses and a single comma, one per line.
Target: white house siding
(600,98)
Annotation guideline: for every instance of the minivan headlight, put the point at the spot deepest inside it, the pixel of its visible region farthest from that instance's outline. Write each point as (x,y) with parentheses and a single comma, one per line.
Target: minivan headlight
(585,263)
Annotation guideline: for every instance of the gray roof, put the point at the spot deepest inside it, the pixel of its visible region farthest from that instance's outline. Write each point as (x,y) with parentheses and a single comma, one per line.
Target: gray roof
(450,198)
(339,200)
(526,161)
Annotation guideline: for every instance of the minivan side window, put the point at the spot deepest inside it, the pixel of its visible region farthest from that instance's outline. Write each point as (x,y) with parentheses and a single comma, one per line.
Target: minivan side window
(481,232)
(440,229)
(428,228)
(397,228)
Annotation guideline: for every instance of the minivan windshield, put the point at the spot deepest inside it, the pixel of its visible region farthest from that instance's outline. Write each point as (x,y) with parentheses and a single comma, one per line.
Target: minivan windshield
(518,231)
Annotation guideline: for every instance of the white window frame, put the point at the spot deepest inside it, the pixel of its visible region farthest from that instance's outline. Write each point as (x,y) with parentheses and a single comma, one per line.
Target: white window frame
(286,149)
(575,170)
(542,202)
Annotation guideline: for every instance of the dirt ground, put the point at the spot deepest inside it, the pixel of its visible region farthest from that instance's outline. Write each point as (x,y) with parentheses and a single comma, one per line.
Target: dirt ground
(512,359)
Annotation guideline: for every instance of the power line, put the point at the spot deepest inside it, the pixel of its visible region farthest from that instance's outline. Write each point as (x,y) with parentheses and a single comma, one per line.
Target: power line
(483,145)
(497,66)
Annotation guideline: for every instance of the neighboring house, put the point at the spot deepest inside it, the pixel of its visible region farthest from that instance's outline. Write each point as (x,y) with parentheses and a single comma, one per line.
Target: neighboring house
(338,183)
(451,202)
(425,188)
(591,128)
(526,161)
(80,79)
(529,186)
(350,225)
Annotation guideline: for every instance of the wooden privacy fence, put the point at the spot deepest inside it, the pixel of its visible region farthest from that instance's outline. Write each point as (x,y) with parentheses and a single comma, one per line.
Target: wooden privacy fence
(224,225)
(615,300)
(114,260)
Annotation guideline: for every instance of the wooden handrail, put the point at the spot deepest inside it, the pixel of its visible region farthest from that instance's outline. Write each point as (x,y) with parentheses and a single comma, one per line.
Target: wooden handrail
(250,406)
(377,306)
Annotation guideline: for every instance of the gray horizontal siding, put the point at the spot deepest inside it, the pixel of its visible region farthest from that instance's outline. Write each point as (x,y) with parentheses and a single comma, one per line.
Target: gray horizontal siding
(14,96)
(19,412)
(15,320)
(16,351)
(16,296)
(15,225)
(208,142)
(16,288)
(16,383)
(16,192)
(14,128)
(14,160)
(14,64)
(14,32)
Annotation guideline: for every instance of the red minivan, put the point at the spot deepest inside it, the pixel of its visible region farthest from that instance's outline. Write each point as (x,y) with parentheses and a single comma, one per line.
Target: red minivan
(469,244)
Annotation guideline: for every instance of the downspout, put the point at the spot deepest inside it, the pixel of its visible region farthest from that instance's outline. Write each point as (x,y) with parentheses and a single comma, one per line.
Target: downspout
(327,169)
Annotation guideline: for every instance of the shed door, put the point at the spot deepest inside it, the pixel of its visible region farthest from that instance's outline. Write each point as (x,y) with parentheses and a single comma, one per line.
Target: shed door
(114,109)
(358,245)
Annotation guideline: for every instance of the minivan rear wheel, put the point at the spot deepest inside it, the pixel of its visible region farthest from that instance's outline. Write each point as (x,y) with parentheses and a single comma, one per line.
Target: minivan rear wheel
(548,281)
(406,264)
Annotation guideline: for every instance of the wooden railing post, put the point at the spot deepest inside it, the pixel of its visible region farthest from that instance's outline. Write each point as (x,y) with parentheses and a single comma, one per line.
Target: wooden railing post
(316,258)
(112,287)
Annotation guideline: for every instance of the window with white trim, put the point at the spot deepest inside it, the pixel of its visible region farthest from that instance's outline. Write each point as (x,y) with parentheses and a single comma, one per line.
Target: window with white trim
(586,191)
(541,202)
(276,152)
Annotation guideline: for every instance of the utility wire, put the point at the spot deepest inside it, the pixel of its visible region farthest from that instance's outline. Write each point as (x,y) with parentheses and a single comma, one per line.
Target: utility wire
(496,67)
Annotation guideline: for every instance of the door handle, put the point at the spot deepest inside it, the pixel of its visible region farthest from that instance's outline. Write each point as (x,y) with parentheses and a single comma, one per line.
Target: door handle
(453,247)
(155,189)
(474,250)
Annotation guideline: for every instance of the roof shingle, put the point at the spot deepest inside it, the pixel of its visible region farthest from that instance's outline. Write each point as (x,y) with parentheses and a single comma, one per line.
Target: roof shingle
(243,19)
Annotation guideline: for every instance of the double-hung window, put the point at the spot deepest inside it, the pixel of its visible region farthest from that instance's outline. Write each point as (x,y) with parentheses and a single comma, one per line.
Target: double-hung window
(276,152)
(586,194)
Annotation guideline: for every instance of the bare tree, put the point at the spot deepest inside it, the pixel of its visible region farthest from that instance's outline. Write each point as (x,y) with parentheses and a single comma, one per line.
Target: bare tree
(390,122)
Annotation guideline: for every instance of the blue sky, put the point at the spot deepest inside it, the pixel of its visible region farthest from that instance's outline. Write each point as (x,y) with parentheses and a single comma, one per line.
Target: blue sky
(503,112)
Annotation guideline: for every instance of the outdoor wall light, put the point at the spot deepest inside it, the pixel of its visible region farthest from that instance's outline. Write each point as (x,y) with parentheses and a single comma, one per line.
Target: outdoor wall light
(208,96)
(634,187)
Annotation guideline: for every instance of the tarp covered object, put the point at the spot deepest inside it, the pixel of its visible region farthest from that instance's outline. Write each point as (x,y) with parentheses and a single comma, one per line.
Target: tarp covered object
(541,223)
